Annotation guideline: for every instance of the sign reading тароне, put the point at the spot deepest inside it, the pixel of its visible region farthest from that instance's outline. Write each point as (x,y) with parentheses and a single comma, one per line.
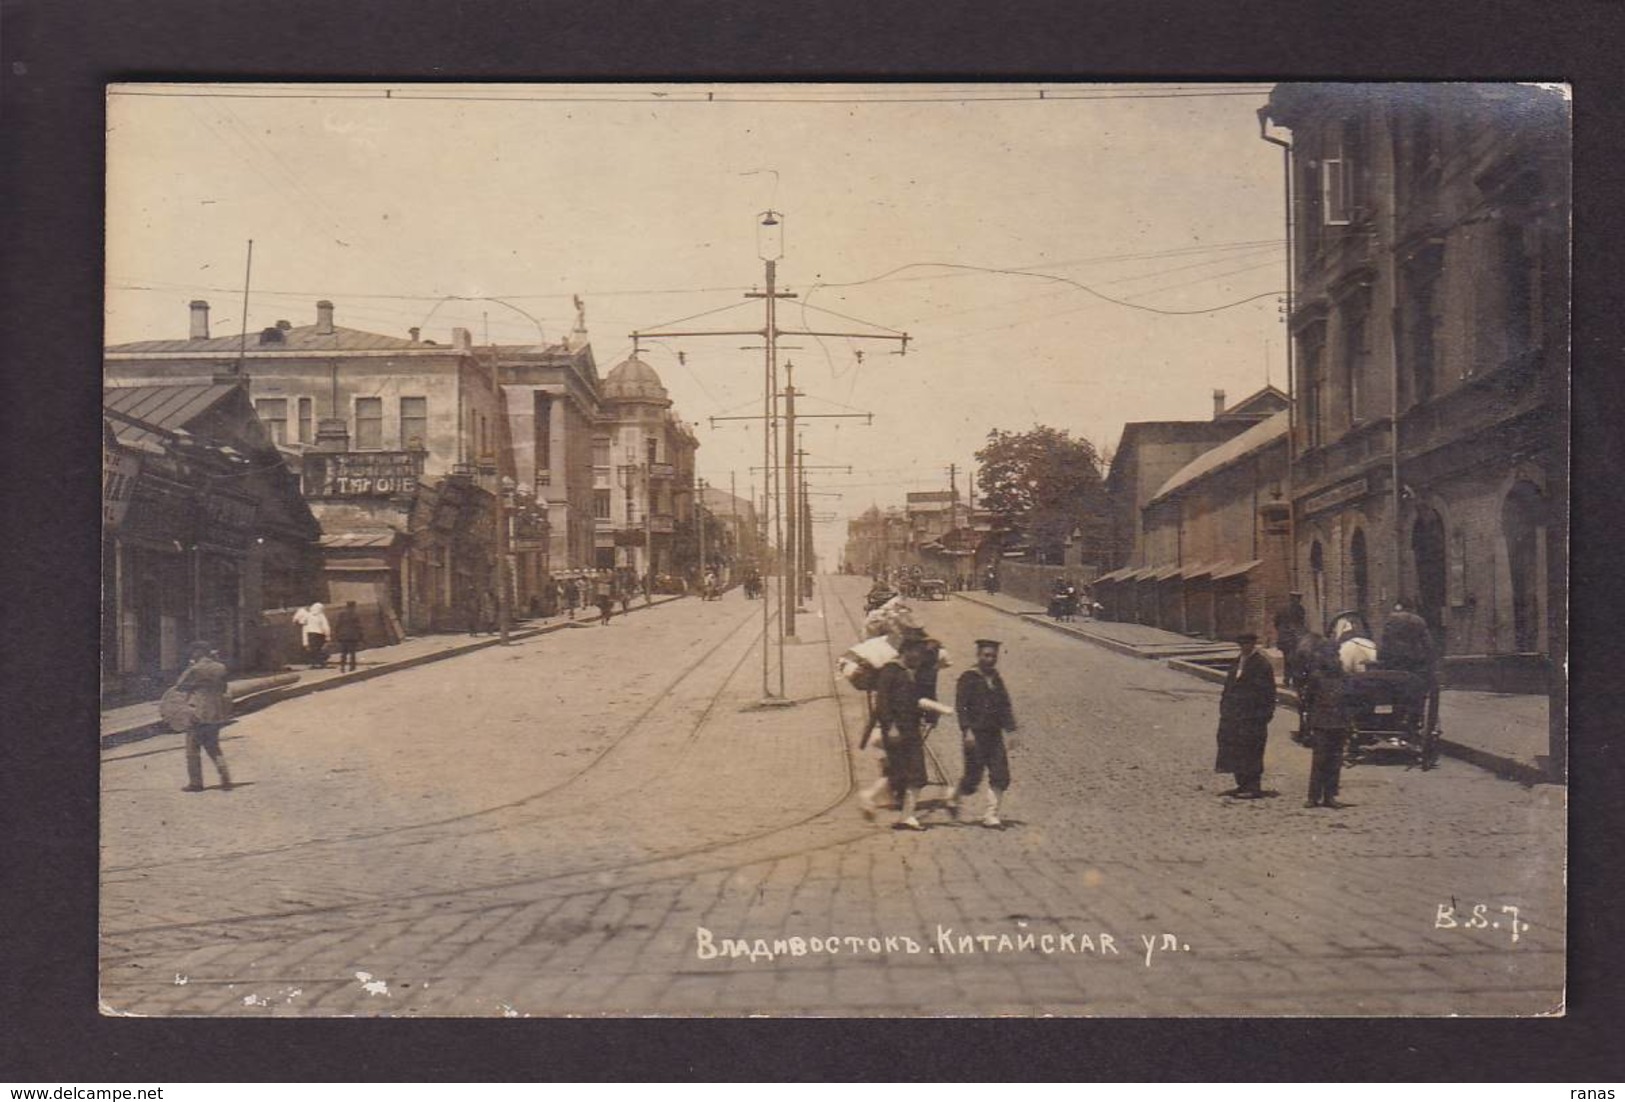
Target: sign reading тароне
(361,474)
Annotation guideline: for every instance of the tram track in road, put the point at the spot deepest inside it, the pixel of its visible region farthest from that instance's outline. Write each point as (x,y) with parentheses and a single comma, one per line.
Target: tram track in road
(592,875)
(597,760)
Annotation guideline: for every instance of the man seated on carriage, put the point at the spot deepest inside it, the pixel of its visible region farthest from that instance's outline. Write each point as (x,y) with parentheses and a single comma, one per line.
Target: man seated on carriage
(1407,645)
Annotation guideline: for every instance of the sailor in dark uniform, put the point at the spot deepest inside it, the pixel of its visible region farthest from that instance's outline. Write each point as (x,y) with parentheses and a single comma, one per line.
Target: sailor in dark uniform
(983,707)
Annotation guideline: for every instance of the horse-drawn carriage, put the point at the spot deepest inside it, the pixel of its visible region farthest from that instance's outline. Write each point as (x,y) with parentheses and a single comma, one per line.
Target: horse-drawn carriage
(1393,712)
(933,589)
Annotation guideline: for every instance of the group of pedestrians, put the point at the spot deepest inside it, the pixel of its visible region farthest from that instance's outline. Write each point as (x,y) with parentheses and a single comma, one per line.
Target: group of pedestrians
(316,632)
(1317,669)
(904,711)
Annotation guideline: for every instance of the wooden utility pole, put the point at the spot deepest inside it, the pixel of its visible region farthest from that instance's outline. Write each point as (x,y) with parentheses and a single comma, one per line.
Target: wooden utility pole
(780,491)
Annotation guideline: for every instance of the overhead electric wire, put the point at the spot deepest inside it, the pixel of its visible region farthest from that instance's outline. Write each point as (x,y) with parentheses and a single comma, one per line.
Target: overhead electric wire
(1058,279)
(912,95)
(159,285)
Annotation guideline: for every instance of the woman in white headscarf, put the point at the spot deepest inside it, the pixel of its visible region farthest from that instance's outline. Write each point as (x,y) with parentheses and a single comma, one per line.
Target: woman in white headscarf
(314,633)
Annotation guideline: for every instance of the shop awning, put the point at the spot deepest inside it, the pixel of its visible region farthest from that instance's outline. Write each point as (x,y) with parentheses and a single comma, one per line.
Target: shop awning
(1164,573)
(1115,576)
(354,541)
(1236,570)
(360,563)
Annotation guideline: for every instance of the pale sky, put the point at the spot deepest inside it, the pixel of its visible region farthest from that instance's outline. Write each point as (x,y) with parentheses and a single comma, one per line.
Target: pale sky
(644,200)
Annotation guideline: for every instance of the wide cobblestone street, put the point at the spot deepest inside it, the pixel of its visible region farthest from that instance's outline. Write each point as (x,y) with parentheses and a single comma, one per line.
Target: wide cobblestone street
(605,821)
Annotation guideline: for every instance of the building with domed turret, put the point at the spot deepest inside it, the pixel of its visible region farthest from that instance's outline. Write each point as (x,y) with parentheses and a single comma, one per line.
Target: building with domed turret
(643,477)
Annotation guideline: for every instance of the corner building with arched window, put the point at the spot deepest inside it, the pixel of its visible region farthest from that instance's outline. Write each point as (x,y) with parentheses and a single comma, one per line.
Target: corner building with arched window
(1429,444)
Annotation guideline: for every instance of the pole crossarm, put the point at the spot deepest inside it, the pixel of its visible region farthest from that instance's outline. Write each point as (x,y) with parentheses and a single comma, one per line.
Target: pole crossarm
(869,418)
(904,338)
(812,467)
(640,336)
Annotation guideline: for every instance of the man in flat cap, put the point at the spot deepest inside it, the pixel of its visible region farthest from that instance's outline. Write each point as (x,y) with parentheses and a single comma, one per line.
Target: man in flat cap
(983,707)
(1246,706)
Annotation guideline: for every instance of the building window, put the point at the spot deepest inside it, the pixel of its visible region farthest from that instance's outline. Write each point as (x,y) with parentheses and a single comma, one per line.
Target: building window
(600,451)
(1517,270)
(414,422)
(1419,320)
(1416,133)
(653,446)
(1334,191)
(369,424)
(1356,354)
(1314,384)
(1360,567)
(1309,189)
(631,510)
(306,419)
(1341,171)
(600,504)
(542,420)
(273,413)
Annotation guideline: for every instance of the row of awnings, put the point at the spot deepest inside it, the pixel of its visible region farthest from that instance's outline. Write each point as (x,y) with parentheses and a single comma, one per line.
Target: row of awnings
(1217,571)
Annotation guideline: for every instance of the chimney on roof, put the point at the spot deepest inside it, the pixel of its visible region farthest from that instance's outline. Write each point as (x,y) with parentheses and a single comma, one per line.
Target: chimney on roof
(284,325)
(462,340)
(324,317)
(414,331)
(200,320)
(1218,404)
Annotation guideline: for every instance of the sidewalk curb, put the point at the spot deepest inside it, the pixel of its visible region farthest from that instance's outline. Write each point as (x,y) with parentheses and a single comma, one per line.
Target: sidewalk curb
(1512,769)
(264,698)
(1043,620)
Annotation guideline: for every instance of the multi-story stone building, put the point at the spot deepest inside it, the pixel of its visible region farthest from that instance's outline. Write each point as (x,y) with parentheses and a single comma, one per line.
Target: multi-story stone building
(1430,327)
(399,442)
(551,393)
(643,472)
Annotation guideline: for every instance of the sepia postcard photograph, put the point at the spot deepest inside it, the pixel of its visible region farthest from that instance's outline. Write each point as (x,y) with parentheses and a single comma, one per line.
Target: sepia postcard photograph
(834,550)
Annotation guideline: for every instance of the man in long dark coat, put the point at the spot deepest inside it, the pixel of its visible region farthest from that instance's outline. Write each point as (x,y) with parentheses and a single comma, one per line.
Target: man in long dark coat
(1246,707)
